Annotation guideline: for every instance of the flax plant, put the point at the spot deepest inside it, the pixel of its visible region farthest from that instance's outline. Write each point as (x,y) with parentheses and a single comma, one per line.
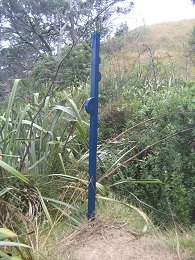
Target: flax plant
(55,128)
(51,143)
(47,130)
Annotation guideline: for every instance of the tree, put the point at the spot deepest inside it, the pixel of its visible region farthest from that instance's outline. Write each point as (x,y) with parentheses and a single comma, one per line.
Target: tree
(33,28)
(123,28)
(74,70)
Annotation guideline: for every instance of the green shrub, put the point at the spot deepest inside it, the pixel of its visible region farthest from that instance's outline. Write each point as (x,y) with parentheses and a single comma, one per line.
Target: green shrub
(161,125)
(73,70)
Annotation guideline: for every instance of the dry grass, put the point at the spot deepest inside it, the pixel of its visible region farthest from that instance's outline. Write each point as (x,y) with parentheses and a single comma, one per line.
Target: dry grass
(116,234)
(168,43)
(104,240)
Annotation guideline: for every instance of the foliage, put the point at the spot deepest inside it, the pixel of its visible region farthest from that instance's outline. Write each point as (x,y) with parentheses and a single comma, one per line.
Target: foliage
(159,128)
(74,70)
(49,136)
(154,140)
(123,28)
(192,37)
(145,147)
(113,120)
(191,43)
(146,54)
(123,37)
(8,234)
(55,128)
(31,29)
(35,197)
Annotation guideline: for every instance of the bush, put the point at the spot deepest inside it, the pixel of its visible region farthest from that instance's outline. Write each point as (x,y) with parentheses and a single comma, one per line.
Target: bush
(163,137)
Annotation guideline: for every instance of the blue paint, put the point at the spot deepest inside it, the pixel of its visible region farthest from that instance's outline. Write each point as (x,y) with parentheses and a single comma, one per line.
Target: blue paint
(91,106)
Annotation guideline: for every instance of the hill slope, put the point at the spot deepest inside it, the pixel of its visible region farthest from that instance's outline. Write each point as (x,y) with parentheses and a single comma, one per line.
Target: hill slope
(165,43)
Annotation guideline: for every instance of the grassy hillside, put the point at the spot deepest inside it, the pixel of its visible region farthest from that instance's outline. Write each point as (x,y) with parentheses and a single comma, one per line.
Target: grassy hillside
(165,43)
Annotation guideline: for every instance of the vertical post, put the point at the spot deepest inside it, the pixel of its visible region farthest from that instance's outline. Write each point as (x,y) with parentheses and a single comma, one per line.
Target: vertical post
(92,108)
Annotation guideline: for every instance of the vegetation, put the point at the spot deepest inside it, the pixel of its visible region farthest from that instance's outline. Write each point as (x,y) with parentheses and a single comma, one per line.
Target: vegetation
(145,148)
(38,31)
(154,117)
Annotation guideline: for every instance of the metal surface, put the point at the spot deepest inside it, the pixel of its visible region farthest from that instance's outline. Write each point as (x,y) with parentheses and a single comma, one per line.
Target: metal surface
(91,106)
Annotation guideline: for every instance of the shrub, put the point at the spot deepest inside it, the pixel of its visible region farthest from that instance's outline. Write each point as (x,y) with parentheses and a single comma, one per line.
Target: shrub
(160,120)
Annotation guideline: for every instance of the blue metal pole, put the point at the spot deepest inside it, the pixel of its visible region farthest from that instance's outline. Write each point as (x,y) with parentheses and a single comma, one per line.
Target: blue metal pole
(92,108)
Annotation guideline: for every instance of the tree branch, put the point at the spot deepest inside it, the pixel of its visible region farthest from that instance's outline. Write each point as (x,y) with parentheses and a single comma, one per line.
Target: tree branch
(141,152)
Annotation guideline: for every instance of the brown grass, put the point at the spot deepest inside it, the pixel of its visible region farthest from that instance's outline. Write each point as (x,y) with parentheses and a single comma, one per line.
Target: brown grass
(168,43)
(103,240)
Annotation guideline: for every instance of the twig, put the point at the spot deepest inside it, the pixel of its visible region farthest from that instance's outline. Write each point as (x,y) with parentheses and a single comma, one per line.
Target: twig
(152,61)
(147,205)
(127,130)
(141,152)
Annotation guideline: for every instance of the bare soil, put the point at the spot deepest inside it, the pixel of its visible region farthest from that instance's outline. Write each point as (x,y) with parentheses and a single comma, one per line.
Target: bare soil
(104,242)
(117,244)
